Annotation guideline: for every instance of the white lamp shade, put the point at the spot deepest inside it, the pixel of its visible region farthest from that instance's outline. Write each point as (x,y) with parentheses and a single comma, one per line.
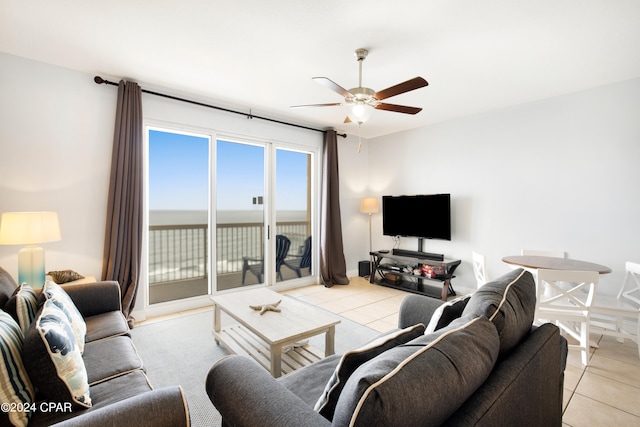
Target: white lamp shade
(29,228)
(359,112)
(369,206)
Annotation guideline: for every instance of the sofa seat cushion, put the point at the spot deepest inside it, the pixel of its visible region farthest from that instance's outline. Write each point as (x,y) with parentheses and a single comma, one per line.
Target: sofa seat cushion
(15,385)
(52,357)
(109,358)
(109,324)
(353,359)
(510,303)
(310,382)
(22,306)
(103,394)
(425,379)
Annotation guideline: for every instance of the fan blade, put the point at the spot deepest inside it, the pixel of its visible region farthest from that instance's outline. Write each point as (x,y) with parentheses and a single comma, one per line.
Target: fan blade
(333,86)
(409,85)
(398,108)
(333,104)
(347,120)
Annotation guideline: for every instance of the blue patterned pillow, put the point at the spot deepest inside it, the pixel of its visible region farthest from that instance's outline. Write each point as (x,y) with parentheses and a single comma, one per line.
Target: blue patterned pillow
(53,359)
(351,360)
(55,293)
(22,306)
(16,388)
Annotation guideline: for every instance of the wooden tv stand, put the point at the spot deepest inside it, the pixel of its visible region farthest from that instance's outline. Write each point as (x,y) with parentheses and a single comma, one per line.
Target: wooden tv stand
(436,287)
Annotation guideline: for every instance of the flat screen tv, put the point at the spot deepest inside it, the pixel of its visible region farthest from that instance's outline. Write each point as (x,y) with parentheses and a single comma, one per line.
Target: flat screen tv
(424,216)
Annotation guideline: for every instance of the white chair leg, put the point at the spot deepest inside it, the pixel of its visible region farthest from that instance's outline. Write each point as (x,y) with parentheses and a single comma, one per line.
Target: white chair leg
(584,342)
(619,327)
(638,335)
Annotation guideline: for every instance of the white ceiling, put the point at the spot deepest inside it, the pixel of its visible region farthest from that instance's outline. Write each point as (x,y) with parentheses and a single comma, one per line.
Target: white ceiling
(477,55)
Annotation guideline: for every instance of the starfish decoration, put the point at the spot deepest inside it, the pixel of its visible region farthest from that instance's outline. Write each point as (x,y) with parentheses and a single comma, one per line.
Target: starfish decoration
(266,307)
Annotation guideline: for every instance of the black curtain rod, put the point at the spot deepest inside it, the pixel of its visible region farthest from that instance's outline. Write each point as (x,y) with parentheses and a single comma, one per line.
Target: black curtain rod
(100,80)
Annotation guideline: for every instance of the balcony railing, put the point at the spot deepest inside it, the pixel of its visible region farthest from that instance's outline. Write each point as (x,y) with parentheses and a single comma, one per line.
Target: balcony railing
(179,252)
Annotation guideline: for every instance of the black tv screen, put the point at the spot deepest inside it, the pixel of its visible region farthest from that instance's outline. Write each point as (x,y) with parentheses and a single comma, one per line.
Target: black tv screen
(426,216)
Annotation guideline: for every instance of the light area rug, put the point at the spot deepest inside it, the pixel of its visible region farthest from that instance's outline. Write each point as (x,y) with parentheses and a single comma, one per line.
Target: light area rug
(180,351)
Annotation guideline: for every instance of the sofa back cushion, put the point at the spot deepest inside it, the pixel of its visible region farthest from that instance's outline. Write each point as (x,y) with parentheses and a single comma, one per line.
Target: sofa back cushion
(510,303)
(351,360)
(15,386)
(8,286)
(423,381)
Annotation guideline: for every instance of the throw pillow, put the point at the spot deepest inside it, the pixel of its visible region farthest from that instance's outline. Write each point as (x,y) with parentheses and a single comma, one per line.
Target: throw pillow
(351,360)
(446,313)
(510,303)
(53,359)
(22,306)
(16,386)
(64,276)
(51,291)
(422,382)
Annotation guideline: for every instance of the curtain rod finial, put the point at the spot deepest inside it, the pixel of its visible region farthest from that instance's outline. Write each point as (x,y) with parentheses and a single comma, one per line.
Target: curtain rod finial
(99,80)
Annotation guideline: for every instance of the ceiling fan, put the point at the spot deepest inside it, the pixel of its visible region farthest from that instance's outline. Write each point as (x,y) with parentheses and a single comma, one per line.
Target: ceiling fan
(358,99)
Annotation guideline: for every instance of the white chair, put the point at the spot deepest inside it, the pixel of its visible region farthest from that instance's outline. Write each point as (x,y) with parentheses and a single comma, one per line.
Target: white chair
(619,316)
(479,269)
(534,252)
(565,298)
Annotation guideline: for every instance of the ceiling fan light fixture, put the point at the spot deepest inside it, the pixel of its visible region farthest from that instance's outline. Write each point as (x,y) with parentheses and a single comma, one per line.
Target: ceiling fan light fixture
(359,112)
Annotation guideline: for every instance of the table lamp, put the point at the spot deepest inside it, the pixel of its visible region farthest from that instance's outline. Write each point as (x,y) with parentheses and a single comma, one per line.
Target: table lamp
(30,228)
(369,206)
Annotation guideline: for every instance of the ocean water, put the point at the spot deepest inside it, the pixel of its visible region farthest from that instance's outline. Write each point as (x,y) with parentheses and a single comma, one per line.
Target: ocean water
(180,253)
(189,217)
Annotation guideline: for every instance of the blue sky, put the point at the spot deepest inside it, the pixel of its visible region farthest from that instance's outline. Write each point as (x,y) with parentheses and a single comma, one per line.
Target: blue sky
(178,174)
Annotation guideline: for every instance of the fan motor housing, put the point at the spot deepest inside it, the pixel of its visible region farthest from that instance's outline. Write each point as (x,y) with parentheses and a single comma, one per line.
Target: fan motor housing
(362,93)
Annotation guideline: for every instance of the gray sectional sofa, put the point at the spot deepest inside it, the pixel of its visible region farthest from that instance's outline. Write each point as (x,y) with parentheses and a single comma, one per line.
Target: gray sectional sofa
(58,379)
(479,362)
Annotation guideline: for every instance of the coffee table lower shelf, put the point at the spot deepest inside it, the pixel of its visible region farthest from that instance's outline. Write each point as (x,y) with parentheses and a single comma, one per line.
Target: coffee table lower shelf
(240,340)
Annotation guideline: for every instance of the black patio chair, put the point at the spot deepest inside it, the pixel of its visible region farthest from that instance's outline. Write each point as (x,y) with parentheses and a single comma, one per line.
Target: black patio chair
(256,265)
(303,260)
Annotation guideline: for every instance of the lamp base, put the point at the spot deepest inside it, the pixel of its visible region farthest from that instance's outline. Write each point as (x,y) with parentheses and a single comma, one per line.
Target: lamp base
(31,266)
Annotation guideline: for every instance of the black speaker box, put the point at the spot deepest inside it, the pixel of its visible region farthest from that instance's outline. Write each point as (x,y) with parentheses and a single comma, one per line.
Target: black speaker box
(364,268)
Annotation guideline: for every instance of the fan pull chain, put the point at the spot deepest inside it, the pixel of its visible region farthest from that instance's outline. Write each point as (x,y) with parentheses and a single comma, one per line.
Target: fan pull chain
(359,137)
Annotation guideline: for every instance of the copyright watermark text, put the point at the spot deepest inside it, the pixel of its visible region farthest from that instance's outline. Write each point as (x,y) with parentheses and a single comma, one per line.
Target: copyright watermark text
(36,407)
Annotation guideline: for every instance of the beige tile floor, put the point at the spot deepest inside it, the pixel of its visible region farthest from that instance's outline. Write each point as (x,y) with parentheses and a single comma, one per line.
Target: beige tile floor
(606,393)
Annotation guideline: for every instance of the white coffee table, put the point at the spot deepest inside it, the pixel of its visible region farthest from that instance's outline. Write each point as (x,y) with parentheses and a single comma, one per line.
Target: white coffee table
(263,337)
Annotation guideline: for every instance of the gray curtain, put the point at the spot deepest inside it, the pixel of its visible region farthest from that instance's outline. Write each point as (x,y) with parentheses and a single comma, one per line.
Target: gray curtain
(123,234)
(333,268)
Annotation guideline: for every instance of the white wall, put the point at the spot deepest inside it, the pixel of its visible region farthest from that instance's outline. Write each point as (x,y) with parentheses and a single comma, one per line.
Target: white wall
(56,134)
(562,174)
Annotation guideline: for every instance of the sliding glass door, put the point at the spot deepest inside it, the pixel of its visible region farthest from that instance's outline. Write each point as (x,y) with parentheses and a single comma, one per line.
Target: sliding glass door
(178,200)
(293,213)
(263,214)
(240,214)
